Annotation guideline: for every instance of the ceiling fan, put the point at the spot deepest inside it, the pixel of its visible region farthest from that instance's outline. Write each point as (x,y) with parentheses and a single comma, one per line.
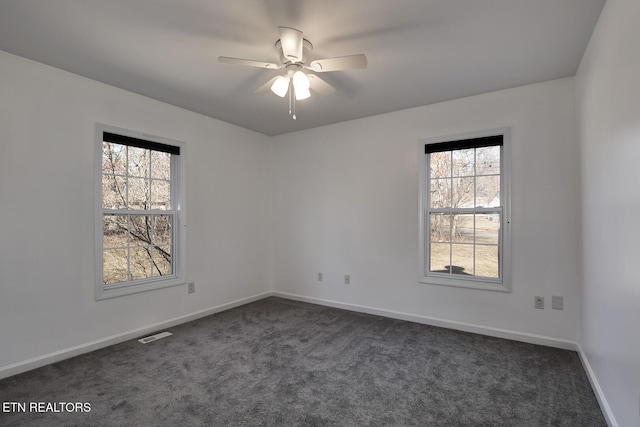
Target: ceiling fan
(294,53)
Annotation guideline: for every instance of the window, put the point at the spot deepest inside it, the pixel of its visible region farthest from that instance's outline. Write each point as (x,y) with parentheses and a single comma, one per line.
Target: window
(464,211)
(139,244)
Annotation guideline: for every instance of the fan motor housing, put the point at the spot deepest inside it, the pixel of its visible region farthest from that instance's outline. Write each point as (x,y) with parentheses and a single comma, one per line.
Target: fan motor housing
(307,47)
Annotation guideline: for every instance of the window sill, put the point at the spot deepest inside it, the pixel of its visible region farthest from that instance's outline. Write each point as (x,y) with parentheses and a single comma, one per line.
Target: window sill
(469,284)
(134,288)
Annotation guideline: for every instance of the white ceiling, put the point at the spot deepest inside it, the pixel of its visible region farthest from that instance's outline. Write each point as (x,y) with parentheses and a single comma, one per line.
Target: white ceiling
(419,51)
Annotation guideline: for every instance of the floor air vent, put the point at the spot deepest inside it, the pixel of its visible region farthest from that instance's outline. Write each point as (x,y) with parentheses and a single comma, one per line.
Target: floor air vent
(155,337)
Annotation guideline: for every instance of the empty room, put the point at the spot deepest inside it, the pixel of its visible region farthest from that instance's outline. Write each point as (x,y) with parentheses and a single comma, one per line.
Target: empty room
(319,213)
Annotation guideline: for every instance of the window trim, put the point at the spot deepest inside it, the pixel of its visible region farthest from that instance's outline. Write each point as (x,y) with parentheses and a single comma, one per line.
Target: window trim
(178,183)
(504,284)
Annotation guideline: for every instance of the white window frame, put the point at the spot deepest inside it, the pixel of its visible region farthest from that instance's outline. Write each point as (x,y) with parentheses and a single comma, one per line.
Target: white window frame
(179,191)
(503,284)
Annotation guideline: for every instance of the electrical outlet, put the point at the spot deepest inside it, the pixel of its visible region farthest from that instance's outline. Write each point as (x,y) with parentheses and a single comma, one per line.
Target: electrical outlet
(539,303)
(191,287)
(557,302)
(347,279)
(319,277)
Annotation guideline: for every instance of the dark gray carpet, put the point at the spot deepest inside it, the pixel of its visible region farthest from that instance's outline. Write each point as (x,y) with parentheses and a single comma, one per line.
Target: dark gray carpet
(284,363)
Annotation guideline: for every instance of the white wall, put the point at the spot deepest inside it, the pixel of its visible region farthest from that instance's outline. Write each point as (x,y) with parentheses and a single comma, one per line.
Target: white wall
(608,88)
(47,120)
(346,202)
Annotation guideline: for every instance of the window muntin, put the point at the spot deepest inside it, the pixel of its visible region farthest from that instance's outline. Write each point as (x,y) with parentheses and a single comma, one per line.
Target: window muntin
(138,240)
(463,220)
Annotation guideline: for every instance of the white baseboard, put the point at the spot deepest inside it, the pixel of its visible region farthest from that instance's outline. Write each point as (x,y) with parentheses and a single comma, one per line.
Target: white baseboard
(444,323)
(47,359)
(597,390)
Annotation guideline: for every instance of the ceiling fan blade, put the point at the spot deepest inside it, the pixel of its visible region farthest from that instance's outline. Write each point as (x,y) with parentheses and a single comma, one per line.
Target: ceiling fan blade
(349,62)
(319,85)
(248,62)
(291,41)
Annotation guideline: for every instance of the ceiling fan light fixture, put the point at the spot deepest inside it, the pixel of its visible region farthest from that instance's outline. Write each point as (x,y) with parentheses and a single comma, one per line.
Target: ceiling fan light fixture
(301,85)
(301,94)
(280,86)
(300,80)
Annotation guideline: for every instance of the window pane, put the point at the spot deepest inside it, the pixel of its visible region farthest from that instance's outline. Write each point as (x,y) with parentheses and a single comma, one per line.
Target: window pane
(462,259)
(488,191)
(439,254)
(160,194)
(114,158)
(161,165)
(114,192)
(440,164)
(487,261)
(440,196)
(462,228)
(161,261)
(488,228)
(114,266)
(138,162)
(463,162)
(162,230)
(140,263)
(138,193)
(140,230)
(488,160)
(463,192)
(440,228)
(114,231)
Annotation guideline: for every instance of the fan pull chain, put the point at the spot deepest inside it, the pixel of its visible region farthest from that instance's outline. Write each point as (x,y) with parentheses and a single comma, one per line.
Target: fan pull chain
(294,108)
(290,90)
(292,101)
